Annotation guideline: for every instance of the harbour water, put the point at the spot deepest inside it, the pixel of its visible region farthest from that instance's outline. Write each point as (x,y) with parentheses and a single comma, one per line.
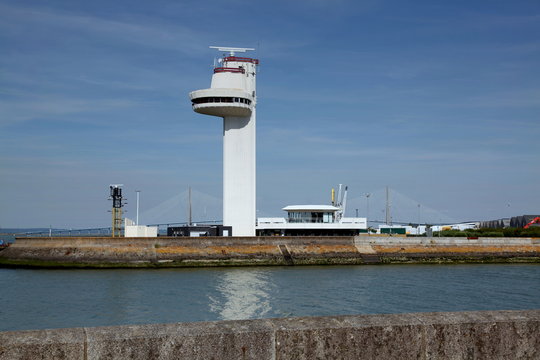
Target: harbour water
(40,299)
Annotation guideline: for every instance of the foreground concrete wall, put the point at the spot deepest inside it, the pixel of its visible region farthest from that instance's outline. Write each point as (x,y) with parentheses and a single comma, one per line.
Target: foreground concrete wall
(464,335)
(220,251)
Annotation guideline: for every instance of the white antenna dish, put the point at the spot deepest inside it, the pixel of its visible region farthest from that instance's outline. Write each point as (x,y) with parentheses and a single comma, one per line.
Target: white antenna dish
(231,50)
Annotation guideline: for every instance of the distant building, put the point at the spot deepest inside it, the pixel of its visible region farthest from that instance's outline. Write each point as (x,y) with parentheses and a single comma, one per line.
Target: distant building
(132,230)
(199,230)
(312,220)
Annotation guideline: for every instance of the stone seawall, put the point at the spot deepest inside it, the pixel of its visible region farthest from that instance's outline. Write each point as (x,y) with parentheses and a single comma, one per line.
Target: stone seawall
(462,335)
(236,251)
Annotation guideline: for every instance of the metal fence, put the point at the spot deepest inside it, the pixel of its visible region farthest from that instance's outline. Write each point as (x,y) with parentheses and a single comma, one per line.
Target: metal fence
(92,232)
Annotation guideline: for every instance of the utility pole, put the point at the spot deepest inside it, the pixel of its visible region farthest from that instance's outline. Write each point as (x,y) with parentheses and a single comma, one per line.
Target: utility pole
(138,193)
(367,212)
(418,228)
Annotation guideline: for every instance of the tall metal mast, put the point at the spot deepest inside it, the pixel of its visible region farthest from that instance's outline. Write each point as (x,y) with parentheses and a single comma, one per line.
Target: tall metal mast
(116,197)
(189,219)
(388,216)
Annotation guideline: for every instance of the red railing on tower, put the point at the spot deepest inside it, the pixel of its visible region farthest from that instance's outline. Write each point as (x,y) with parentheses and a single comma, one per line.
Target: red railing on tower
(227,69)
(241,59)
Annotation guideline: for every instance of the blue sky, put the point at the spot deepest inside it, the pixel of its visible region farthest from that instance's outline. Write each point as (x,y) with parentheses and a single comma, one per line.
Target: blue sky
(438,100)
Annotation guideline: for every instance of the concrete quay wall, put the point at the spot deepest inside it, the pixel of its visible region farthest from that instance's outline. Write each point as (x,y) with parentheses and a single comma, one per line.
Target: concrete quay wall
(480,241)
(235,251)
(461,335)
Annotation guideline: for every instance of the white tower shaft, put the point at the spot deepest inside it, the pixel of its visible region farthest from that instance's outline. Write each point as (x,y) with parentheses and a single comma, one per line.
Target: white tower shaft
(232,96)
(239,182)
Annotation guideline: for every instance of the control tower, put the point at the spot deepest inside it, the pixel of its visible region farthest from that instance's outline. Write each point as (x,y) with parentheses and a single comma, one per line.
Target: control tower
(232,96)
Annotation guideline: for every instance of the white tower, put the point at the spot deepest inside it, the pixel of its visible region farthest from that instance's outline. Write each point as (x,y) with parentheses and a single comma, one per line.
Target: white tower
(232,96)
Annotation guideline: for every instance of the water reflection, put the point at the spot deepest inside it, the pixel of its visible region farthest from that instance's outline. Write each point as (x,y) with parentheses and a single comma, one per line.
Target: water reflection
(242,294)
(34,299)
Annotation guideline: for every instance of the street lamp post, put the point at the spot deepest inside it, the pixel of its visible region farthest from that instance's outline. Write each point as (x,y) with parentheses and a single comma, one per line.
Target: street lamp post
(138,193)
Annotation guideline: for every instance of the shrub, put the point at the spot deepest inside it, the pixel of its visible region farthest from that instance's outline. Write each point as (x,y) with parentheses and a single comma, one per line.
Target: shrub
(533,231)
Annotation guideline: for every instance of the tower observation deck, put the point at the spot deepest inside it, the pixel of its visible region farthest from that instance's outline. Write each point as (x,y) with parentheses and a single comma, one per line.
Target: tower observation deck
(232,96)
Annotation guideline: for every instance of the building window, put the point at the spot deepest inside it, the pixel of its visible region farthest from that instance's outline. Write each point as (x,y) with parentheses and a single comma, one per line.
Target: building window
(204,100)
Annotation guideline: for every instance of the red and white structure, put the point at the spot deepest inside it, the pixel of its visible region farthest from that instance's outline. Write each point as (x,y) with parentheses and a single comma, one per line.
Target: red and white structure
(232,96)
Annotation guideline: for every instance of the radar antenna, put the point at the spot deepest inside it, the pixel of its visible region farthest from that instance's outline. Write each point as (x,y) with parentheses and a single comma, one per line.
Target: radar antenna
(231,50)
